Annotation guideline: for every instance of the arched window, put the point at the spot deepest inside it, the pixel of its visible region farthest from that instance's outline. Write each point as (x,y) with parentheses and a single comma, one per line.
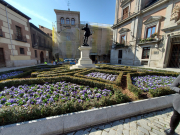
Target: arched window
(62,20)
(67,21)
(72,21)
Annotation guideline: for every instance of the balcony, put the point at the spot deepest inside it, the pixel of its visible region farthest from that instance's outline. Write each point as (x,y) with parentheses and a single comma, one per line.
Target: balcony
(124,17)
(152,39)
(20,38)
(1,33)
(121,45)
(149,3)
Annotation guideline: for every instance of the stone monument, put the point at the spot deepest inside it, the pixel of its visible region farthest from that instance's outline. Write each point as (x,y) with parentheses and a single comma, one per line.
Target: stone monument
(84,61)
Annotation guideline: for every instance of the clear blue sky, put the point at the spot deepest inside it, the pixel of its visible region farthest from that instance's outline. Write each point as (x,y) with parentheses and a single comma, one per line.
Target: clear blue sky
(42,12)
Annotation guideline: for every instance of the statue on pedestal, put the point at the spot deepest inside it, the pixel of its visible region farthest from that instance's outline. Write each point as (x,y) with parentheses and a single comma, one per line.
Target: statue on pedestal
(87,33)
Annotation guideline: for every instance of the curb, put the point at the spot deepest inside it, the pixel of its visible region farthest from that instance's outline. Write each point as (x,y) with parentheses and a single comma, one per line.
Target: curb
(74,121)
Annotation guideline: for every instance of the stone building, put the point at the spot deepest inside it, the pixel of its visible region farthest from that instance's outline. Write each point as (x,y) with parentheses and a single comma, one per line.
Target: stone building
(46,30)
(42,45)
(147,32)
(15,39)
(70,37)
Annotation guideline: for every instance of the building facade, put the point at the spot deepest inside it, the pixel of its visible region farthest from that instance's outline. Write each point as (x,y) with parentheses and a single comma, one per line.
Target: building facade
(15,38)
(146,32)
(41,44)
(70,37)
(46,30)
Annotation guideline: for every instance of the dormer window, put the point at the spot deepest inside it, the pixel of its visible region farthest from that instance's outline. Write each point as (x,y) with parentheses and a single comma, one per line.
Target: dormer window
(62,20)
(67,21)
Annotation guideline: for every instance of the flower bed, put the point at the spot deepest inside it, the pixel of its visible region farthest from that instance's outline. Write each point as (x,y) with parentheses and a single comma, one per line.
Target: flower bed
(48,94)
(10,74)
(104,76)
(151,82)
(46,100)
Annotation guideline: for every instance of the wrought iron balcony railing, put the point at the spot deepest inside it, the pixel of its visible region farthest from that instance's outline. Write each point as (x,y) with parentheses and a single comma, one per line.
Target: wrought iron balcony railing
(20,38)
(150,39)
(1,33)
(124,17)
(121,45)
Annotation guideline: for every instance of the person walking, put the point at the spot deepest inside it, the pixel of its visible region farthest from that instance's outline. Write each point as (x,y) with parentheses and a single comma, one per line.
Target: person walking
(175,119)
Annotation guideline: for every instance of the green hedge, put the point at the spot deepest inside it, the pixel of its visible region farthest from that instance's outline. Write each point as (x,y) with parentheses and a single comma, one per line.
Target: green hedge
(21,114)
(117,81)
(154,93)
(137,92)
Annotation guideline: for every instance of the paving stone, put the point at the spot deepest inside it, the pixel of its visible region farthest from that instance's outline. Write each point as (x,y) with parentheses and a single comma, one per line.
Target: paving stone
(152,126)
(157,125)
(140,133)
(119,132)
(87,130)
(116,123)
(107,127)
(160,123)
(143,130)
(157,132)
(112,132)
(114,127)
(151,133)
(133,118)
(101,127)
(133,125)
(93,130)
(127,120)
(80,132)
(138,117)
(133,132)
(120,127)
(105,133)
(164,122)
(125,132)
(99,132)
(126,126)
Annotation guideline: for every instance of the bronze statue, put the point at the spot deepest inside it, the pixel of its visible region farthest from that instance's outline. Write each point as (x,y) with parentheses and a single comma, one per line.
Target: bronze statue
(87,33)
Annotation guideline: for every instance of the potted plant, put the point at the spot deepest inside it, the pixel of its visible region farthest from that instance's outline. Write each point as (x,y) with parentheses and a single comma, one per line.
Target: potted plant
(154,35)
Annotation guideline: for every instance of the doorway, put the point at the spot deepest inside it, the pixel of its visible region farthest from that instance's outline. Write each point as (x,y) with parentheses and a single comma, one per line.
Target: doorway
(2,59)
(175,56)
(42,57)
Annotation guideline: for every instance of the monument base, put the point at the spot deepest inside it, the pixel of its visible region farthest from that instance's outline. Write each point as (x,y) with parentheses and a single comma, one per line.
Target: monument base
(84,61)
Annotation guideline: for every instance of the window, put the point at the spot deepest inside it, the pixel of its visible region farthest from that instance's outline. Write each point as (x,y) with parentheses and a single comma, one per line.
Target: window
(125,12)
(120,54)
(18,33)
(119,61)
(51,34)
(150,31)
(62,20)
(72,21)
(48,34)
(39,40)
(123,39)
(21,50)
(34,40)
(145,53)
(67,21)
(35,51)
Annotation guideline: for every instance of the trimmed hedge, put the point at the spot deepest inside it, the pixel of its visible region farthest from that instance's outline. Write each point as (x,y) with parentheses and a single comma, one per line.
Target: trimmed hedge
(117,81)
(162,91)
(21,114)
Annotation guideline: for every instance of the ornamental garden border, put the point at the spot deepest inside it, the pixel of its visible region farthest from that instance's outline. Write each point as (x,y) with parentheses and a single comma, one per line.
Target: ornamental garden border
(20,114)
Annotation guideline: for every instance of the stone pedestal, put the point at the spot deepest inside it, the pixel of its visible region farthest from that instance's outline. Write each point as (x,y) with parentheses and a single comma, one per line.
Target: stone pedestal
(84,61)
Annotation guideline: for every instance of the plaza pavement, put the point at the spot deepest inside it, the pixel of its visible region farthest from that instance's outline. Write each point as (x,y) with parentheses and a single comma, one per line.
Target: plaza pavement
(153,123)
